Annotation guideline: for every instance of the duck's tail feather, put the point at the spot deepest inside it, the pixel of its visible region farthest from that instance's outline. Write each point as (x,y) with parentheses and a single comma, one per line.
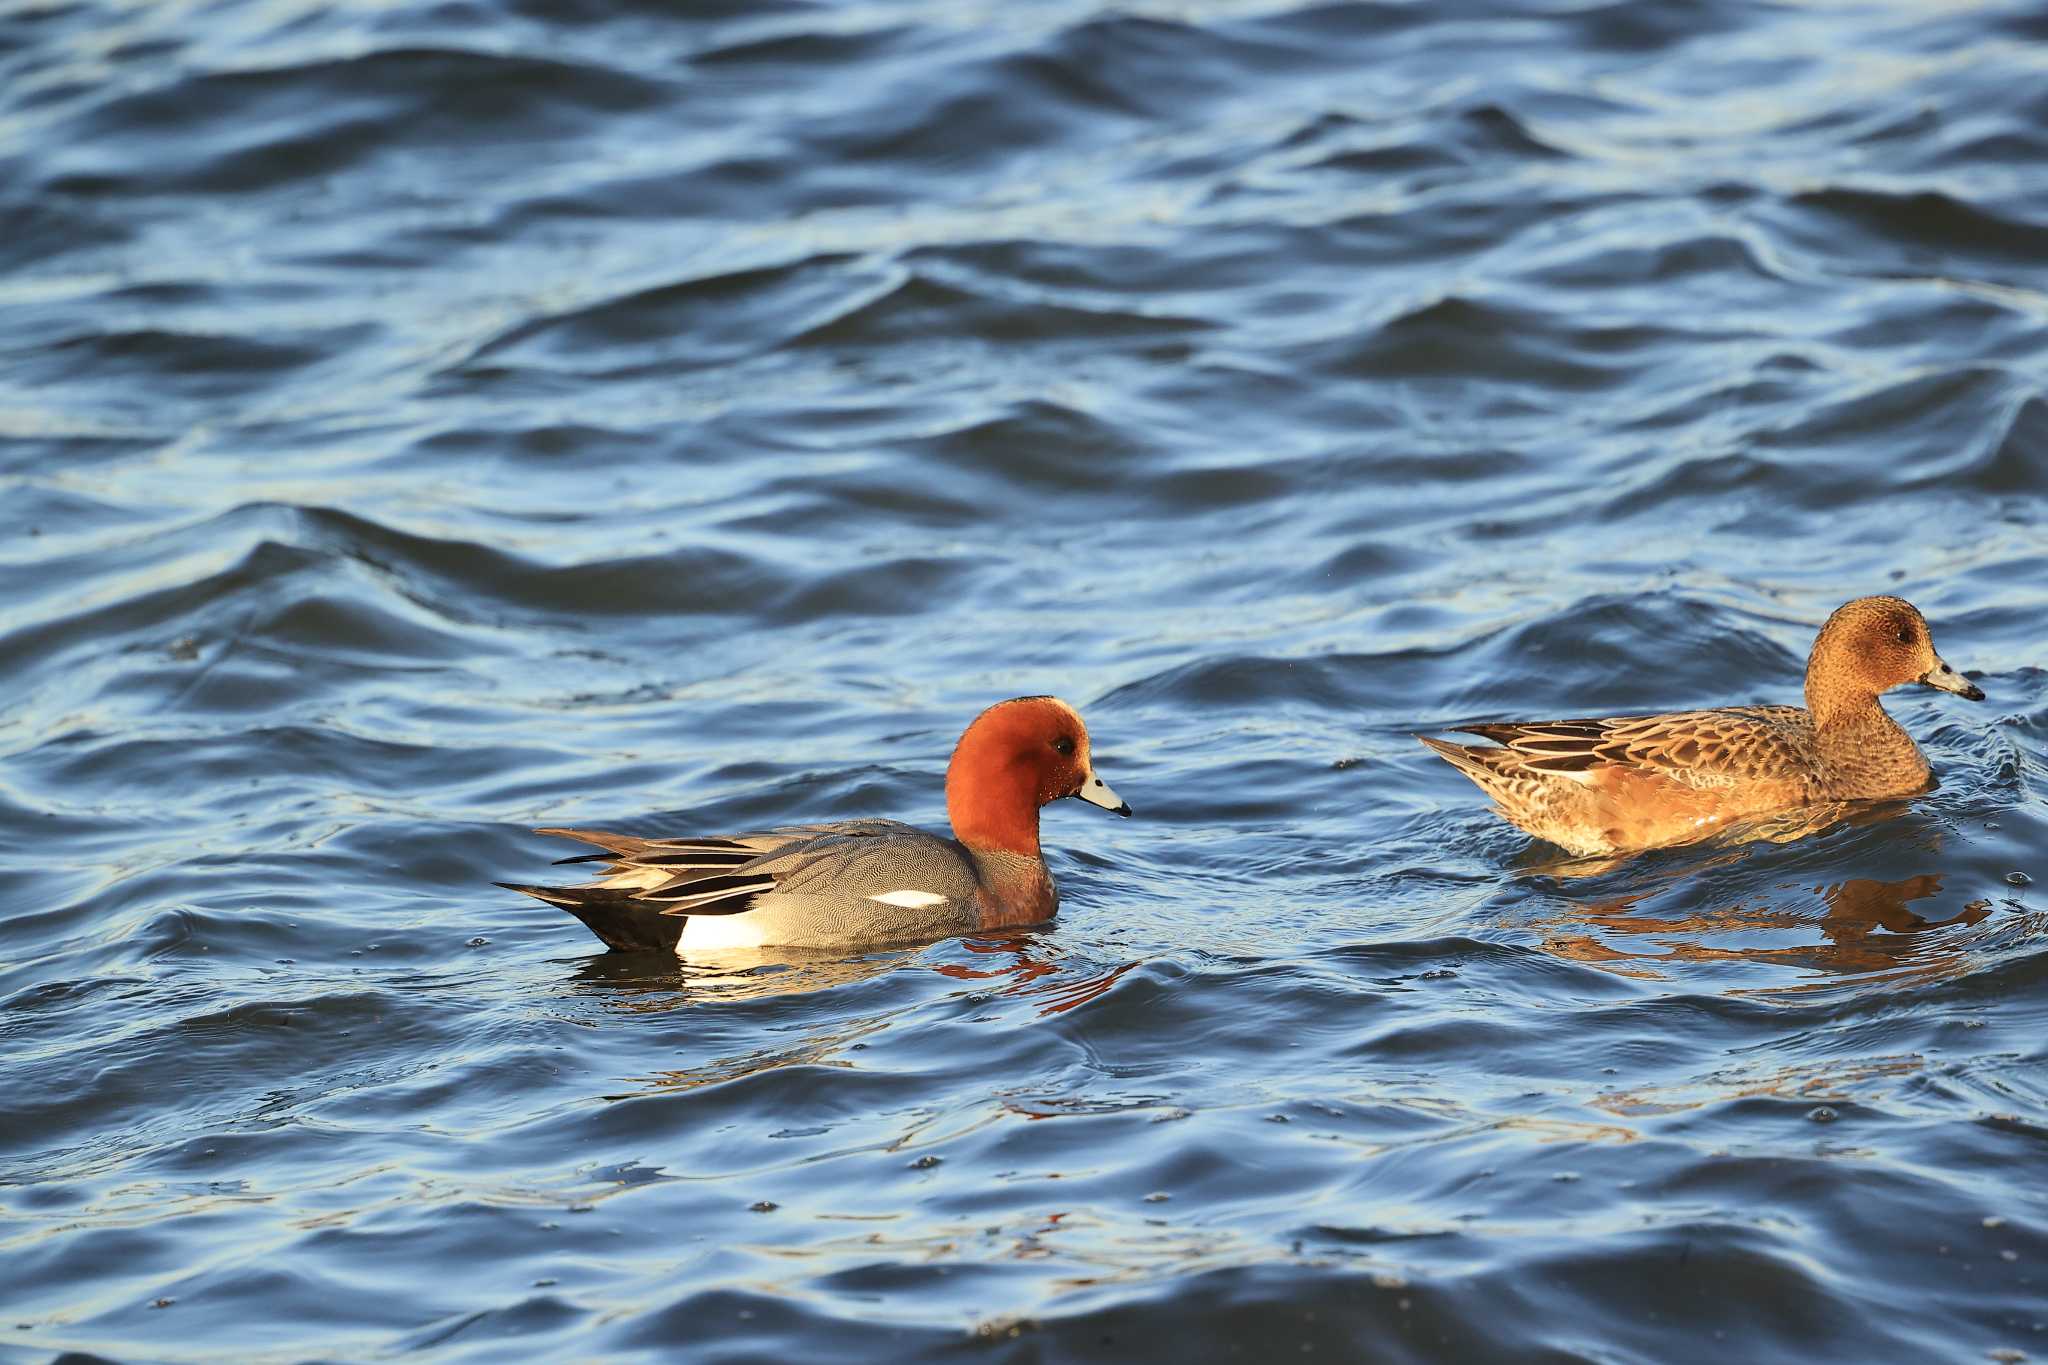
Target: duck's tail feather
(1469,759)
(624,923)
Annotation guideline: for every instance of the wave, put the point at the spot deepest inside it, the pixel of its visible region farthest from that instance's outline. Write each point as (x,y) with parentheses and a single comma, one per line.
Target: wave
(252,130)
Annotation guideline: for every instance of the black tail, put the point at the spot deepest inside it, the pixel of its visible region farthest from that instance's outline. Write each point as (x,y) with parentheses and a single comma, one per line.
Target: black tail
(625,923)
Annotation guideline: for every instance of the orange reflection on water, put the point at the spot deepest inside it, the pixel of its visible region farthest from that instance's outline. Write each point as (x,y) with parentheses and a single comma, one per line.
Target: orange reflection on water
(1834,1081)
(1865,927)
(1036,976)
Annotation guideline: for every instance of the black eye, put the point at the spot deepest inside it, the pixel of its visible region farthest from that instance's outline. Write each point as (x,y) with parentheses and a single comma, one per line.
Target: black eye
(1905,635)
(1064,745)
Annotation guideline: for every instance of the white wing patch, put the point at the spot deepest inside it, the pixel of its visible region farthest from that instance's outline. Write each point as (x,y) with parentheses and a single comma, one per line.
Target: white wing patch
(910,898)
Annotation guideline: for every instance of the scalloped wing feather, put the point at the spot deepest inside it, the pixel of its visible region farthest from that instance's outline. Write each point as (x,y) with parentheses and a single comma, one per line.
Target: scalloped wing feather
(1598,785)
(1703,748)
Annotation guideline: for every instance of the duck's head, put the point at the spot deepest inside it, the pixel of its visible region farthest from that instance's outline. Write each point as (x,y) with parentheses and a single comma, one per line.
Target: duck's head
(1876,643)
(1017,756)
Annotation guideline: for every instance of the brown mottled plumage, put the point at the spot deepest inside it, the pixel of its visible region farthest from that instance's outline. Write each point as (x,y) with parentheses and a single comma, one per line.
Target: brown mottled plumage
(1631,782)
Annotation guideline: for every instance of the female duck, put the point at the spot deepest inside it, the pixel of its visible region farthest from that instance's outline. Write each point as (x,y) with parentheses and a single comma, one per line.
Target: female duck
(857,882)
(1630,782)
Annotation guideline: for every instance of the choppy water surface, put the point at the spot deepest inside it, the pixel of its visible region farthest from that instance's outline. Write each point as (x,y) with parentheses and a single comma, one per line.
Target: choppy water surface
(420,423)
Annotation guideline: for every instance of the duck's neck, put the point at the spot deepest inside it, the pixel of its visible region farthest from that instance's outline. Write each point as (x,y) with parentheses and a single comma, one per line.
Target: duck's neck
(1838,705)
(1867,751)
(995,812)
(1017,890)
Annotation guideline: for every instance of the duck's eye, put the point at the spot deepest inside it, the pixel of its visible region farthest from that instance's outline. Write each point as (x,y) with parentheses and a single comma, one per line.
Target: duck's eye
(1905,635)
(1064,745)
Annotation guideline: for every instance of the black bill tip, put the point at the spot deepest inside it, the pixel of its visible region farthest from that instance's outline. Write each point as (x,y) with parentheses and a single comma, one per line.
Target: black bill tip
(1948,680)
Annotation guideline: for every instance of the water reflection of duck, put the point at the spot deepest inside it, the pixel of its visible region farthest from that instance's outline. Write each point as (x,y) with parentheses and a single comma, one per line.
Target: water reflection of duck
(1019,966)
(631,985)
(1035,974)
(1632,782)
(1867,926)
(1016,967)
(1860,906)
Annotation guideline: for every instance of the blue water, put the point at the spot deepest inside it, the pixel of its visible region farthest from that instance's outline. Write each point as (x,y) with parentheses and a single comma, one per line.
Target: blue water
(421,423)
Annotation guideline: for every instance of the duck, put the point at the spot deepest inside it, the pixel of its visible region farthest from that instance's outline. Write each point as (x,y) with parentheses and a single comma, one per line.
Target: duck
(862,882)
(1625,783)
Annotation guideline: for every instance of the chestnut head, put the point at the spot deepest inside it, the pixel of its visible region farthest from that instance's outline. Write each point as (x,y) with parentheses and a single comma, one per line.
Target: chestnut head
(1017,756)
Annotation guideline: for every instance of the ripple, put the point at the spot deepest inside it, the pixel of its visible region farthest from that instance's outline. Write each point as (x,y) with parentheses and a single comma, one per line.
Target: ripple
(1039,446)
(250,130)
(34,233)
(1713,256)
(1923,222)
(908,311)
(1909,416)
(737,314)
(1479,340)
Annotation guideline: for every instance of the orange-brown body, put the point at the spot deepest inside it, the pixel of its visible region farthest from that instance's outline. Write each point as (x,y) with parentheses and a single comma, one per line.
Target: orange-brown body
(1630,782)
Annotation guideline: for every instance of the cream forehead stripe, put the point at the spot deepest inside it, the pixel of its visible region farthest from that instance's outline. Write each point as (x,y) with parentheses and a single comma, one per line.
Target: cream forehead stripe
(910,898)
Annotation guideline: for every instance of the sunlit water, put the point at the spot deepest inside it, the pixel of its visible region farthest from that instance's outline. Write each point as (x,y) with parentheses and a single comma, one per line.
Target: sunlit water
(420,423)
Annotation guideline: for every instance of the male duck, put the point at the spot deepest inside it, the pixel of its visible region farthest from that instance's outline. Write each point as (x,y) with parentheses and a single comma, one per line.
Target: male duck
(857,882)
(1631,782)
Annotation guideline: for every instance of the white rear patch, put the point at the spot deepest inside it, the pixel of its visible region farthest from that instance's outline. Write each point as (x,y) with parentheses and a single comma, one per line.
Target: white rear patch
(910,899)
(721,931)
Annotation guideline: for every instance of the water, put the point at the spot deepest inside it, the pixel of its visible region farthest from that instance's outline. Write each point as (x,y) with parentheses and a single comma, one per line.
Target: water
(420,423)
